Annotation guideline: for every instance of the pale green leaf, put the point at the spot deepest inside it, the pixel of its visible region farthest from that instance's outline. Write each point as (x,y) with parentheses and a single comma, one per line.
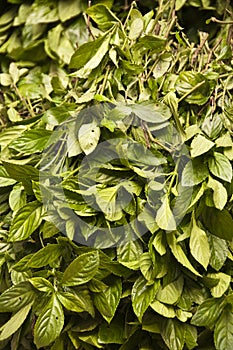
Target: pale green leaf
(220,193)
(88,137)
(163,309)
(17,197)
(223,284)
(15,322)
(200,145)
(69,9)
(164,216)
(171,293)
(199,245)
(106,200)
(5,179)
(159,243)
(194,172)
(220,167)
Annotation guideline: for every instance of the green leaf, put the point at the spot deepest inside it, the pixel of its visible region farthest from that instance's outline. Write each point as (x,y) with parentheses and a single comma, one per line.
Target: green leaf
(69,9)
(136,25)
(107,301)
(147,267)
(49,323)
(41,284)
(142,295)
(212,126)
(220,193)
(81,270)
(15,322)
(31,141)
(179,253)
(26,221)
(180,4)
(129,254)
(171,293)
(79,302)
(5,179)
(112,333)
(17,197)
(150,42)
(208,312)
(22,173)
(200,145)
(164,216)
(220,166)
(219,252)
(45,256)
(194,172)
(103,17)
(147,111)
(159,243)
(106,200)
(223,332)
(89,55)
(16,297)
(223,284)
(191,337)
(43,12)
(219,223)
(194,87)
(173,334)
(88,137)
(163,309)
(199,245)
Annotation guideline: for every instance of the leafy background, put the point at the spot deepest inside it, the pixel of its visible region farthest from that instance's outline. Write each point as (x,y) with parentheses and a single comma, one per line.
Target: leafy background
(171,288)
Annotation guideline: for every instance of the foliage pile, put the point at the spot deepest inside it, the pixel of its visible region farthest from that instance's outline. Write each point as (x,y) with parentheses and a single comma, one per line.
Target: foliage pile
(137,75)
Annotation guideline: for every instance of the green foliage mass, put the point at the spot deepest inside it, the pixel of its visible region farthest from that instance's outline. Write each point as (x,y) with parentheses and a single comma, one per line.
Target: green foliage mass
(157,77)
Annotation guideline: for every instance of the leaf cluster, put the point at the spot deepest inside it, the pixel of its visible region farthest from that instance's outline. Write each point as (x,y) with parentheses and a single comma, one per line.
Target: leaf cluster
(126,242)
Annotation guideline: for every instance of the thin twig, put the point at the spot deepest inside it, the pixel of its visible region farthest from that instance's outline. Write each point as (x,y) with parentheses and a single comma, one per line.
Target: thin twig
(145,135)
(200,47)
(214,19)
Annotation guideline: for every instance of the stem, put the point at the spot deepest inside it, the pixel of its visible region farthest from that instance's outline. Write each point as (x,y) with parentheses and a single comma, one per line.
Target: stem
(214,19)
(105,80)
(26,105)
